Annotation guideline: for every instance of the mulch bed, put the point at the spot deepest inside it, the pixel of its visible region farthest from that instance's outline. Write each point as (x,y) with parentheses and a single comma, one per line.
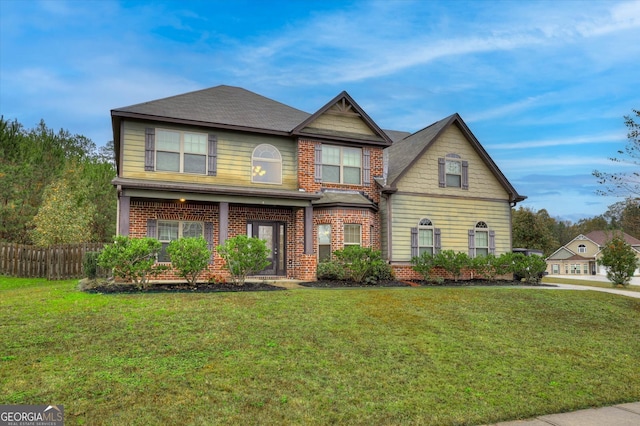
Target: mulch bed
(114,288)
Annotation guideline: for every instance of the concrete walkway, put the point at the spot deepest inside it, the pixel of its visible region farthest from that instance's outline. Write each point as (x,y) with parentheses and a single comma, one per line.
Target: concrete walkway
(617,415)
(619,291)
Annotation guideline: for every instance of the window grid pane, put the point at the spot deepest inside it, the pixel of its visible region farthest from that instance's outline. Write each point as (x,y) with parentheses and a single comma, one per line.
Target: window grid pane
(195,163)
(330,155)
(352,234)
(195,143)
(167,141)
(482,239)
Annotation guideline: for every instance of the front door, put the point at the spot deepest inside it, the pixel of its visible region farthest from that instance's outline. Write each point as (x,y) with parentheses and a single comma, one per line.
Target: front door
(273,233)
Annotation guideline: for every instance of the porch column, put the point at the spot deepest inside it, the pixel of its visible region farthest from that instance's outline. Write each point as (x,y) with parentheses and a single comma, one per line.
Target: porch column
(308,230)
(223,233)
(124,207)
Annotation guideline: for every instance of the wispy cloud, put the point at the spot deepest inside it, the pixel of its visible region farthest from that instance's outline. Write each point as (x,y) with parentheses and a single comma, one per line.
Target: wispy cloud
(607,138)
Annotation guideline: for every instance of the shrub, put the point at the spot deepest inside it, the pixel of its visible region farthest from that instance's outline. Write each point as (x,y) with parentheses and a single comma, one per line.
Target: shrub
(243,256)
(620,260)
(132,258)
(189,256)
(490,266)
(423,265)
(452,262)
(90,264)
(330,270)
(530,268)
(360,264)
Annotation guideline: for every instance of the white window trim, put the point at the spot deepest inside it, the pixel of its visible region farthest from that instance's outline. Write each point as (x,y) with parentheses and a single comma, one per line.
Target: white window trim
(483,228)
(341,165)
(426,224)
(268,160)
(359,234)
(181,152)
(318,234)
(180,227)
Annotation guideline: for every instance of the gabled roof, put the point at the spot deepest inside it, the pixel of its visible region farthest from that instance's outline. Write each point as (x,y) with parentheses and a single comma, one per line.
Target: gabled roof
(348,107)
(405,152)
(601,237)
(556,254)
(220,106)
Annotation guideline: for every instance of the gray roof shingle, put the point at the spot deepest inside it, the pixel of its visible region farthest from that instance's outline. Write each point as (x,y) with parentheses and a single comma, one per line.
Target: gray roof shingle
(223,105)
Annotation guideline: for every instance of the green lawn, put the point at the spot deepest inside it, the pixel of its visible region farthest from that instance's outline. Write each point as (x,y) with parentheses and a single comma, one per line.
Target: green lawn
(427,356)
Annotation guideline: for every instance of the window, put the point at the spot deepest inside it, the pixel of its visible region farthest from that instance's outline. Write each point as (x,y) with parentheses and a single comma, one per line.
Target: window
(582,248)
(425,237)
(555,269)
(182,152)
(453,173)
(172,230)
(341,164)
(352,235)
(266,165)
(585,269)
(482,239)
(324,242)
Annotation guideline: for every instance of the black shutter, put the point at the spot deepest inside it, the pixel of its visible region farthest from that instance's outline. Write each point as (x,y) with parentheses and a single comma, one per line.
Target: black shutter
(149,148)
(465,175)
(366,167)
(318,163)
(442,180)
(213,155)
(414,242)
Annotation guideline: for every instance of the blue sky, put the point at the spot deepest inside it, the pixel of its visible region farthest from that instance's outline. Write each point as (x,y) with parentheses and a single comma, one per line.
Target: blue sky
(543,85)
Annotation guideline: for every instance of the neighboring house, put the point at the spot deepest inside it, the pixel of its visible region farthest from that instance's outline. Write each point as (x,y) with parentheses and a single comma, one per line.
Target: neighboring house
(226,161)
(580,255)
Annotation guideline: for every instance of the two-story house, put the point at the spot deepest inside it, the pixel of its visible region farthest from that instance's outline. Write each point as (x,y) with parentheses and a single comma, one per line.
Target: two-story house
(580,255)
(226,161)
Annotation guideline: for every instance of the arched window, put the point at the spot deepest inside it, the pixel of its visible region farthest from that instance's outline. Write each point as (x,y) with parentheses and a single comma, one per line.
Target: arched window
(481,239)
(582,248)
(425,237)
(266,165)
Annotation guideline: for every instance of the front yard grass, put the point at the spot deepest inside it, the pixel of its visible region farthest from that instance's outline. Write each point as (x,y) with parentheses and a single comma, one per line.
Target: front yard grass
(427,356)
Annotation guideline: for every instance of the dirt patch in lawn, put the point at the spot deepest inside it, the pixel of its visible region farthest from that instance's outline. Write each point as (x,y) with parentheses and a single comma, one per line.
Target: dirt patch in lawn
(418,283)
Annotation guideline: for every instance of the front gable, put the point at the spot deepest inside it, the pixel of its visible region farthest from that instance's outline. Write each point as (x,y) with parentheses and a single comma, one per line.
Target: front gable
(583,246)
(343,120)
(427,174)
(561,254)
(421,162)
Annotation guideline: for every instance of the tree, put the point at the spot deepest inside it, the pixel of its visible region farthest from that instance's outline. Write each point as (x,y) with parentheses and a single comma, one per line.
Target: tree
(189,256)
(533,230)
(33,159)
(620,260)
(243,256)
(624,183)
(64,217)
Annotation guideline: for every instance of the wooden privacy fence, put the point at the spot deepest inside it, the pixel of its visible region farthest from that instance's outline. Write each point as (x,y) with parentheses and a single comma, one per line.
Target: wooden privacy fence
(57,262)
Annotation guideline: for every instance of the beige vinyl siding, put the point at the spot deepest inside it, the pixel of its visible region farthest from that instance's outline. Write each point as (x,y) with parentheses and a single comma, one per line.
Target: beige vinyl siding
(341,123)
(423,175)
(592,248)
(234,158)
(453,216)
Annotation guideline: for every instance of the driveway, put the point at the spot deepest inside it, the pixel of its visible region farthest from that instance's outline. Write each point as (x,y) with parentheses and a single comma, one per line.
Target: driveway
(635,281)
